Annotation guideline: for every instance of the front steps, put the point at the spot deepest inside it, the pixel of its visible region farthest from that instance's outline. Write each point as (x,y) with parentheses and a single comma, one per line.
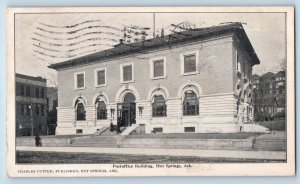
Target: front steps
(130,129)
(95,141)
(102,138)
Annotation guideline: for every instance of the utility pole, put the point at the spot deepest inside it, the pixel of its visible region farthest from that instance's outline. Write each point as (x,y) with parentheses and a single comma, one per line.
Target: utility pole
(153,25)
(31,118)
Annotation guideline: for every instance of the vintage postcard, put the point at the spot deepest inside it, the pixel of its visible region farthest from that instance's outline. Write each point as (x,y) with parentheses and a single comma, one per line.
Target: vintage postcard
(150,91)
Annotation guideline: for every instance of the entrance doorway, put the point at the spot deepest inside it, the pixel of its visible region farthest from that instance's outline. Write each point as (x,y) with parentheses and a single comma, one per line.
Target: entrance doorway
(127,111)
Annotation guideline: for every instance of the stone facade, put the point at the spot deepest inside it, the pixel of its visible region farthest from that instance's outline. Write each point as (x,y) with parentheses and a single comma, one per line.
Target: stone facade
(220,82)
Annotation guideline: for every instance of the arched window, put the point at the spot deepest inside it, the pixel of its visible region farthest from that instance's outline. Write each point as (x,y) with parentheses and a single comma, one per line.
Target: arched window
(129,97)
(159,107)
(101,110)
(80,111)
(190,104)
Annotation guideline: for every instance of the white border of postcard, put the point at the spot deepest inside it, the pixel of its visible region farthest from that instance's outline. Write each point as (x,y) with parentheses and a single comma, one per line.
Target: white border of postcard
(211,169)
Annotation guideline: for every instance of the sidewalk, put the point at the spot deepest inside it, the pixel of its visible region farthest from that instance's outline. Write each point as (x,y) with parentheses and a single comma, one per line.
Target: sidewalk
(268,155)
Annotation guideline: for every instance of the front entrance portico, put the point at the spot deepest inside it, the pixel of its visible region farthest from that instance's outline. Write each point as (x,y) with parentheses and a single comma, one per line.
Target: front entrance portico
(127,111)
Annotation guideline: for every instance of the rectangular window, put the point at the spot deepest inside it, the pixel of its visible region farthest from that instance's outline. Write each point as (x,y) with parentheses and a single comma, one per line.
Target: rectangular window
(190,63)
(79,80)
(42,93)
(17,89)
(158,130)
(27,90)
(100,77)
(27,109)
(37,92)
(158,68)
(271,88)
(37,110)
(22,90)
(22,109)
(79,131)
(189,129)
(127,73)
(42,110)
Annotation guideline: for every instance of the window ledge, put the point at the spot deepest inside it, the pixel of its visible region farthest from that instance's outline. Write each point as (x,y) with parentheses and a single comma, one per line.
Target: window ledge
(80,88)
(190,116)
(157,78)
(80,121)
(154,117)
(126,82)
(98,86)
(100,120)
(190,73)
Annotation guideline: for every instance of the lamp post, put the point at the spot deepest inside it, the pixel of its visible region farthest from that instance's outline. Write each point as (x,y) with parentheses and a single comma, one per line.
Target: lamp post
(141,109)
(31,118)
(112,112)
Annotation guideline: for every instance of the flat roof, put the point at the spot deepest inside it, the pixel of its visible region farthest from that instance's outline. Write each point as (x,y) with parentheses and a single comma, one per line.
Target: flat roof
(30,77)
(174,38)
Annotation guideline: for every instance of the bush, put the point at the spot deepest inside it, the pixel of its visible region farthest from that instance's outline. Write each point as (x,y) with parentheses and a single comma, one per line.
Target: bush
(276,125)
(279,115)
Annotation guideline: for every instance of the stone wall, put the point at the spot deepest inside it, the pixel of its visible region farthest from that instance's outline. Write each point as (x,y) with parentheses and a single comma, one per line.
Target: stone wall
(45,141)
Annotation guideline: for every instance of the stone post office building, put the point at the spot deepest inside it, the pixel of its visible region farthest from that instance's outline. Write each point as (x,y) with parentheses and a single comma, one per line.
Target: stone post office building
(190,81)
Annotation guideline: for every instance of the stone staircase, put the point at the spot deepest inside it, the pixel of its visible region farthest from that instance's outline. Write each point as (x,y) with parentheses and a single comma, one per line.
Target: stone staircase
(103,129)
(130,129)
(108,133)
(95,141)
(103,138)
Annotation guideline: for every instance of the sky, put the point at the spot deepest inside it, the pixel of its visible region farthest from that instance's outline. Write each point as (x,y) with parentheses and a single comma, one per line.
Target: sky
(42,39)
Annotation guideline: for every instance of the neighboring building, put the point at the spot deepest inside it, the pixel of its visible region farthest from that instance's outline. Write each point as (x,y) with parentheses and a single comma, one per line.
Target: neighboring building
(192,81)
(31,105)
(269,96)
(52,112)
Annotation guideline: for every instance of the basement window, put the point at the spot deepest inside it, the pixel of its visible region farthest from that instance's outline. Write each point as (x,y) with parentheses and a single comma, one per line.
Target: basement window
(158,130)
(189,129)
(79,131)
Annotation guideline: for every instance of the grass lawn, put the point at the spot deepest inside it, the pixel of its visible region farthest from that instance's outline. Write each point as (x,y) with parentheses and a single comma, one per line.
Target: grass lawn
(23,157)
(276,125)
